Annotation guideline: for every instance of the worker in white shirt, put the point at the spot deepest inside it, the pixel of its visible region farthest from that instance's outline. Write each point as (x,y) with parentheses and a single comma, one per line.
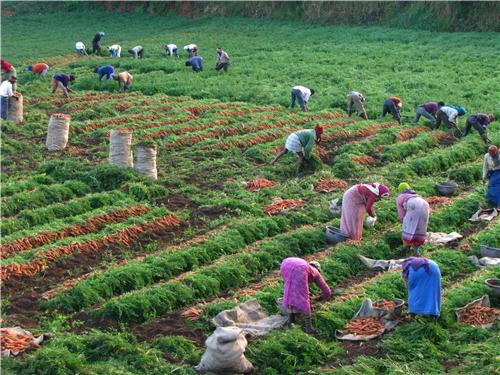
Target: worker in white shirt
(171,49)
(115,50)
(448,115)
(223,60)
(356,99)
(302,95)
(191,49)
(80,48)
(6,92)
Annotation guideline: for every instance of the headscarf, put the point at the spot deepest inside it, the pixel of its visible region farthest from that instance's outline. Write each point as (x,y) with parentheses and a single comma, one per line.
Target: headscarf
(403,186)
(491,118)
(493,151)
(319,131)
(315,265)
(415,263)
(383,191)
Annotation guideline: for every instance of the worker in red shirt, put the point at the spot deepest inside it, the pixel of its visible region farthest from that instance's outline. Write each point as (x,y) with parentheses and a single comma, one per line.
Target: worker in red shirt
(41,69)
(8,71)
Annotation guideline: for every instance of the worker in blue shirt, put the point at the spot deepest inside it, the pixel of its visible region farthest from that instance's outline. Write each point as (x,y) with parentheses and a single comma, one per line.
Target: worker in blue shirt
(107,71)
(196,62)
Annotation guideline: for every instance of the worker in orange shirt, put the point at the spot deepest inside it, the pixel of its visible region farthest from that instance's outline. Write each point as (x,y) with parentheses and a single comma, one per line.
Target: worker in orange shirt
(41,69)
(393,106)
(124,80)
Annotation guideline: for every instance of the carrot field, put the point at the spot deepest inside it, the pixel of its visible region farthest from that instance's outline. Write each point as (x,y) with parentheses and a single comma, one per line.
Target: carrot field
(125,273)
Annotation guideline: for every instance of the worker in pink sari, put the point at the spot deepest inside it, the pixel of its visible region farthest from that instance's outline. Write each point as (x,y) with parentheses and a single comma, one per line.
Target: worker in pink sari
(413,210)
(357,201)
(297,274)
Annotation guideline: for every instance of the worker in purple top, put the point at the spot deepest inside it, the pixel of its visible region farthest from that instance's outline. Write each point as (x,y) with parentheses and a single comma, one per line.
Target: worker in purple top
(428,110)
(479,121)
(196,62)
(61,81)
(106,70)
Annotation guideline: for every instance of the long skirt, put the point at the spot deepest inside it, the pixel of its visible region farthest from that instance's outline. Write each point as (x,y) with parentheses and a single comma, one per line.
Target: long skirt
(415,221)
(494,188)
(353,213)
(424,290)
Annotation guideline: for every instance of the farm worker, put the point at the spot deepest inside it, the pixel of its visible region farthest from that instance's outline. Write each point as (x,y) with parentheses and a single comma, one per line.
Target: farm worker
(491,170)
(413,210)
(137,52)
(196,62)
(301,143)
(448,115)
(115,50)
(124,80)
(191,49)
(106,70)
(223,60)
(171,49)
(302,95)
(356,99)
(61,81)
(357,201)
(297,274)
(7,91)
(479,121)
(40,69)
(423,279)
(428,110)
(8,71)
(393,105)
(80,48)
(96,42)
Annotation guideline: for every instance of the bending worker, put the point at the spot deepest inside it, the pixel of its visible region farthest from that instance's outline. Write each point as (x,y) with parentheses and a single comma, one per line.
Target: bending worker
(40,69)
(96,42)
(413,210)
(223,60)
(106,70)
(171,49)
(196,62)
(423,279)
(61,81)
(448,115)
(137,52)
(491,171)
(428,110)
(191,49)
(7,92)
(302,95)
(356,99)
(124,80)
(297,274)
(301,143)
(393,105)
(480,122)
(357,201)
(8,71)
(80,48)
(115,50)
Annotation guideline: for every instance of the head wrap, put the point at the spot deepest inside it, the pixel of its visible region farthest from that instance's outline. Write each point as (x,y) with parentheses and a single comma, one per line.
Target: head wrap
(318,129)
(315,265)
(493,150)
(383,191)
(403,186)
(491,118)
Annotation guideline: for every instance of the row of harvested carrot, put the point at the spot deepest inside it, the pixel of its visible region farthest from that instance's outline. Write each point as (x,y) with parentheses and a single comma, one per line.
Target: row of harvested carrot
(478,315)
(279,205)
(124,237)
(92,224)
(10,340)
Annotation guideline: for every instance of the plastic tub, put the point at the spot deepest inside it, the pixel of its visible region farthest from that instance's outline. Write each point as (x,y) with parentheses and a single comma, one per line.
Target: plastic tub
(335,236)
(446,188)
(494,284)
(487,251)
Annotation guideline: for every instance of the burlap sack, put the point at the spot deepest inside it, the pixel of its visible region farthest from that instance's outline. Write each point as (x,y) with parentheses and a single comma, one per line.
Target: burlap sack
(225,352)
(145,161)
(58,131)
(15,113)
(120,148)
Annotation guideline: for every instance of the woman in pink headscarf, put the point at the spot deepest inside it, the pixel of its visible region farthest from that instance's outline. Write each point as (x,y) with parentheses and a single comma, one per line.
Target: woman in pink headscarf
(297,274)
(357,201)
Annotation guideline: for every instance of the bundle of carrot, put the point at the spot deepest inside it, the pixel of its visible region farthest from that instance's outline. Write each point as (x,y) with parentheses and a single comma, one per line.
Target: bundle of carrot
(384,304)
(328,185)
(192,314)
(280,205)
(478,315)
(61,115)
(435,202)
(365,326)
(15,341)
(259,183)
(365,159)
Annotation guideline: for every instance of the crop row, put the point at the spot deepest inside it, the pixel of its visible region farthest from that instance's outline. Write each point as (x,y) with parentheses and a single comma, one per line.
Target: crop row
(123,237)
(92,224)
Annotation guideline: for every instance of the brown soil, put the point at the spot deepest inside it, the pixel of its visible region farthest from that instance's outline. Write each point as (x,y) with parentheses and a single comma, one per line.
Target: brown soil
(355,349)
(450,364)
(176,202)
